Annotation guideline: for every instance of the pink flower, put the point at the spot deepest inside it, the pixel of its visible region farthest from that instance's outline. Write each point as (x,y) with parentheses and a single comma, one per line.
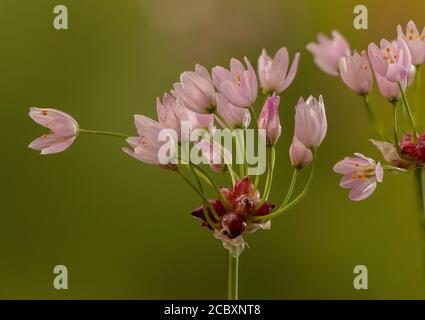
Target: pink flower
(63,130)
(389,90)
(237,219)
(216,155)
(391,60)
(273,73)
(239,85)
(310,122)
(356,73)
(415,42)
(171,114)
(299,154)
(269,119)
(200,121)
(361,175)
(233,117)
(196,90)
(145,147)
(328,52)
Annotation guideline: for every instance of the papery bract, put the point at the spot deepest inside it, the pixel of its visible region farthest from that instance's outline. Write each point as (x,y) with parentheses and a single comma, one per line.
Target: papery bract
(327,52)
(196,90)
(391,155)
(273,73)
(269,119)
(239,85)
(299,154)
(360,174)
(310,121)
(146,146)
(230,116)
(415,41)
(63,130)
(356,73)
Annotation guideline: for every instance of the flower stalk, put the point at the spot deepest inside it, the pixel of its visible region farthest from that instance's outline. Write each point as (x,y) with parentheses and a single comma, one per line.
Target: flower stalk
(232,277)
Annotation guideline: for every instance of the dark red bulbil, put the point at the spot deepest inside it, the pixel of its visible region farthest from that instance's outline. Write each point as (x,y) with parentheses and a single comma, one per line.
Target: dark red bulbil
(243,200)
(413,150)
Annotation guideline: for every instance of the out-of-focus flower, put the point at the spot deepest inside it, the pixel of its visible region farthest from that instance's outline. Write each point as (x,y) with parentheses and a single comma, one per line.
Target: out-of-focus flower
(196,90)
(299,154)
(360,174)
(415,41)
(232,116)
(63,130)
(200,121)
(239,85)
(216,155)
(269,119)
(389,90)
(411,150)
(391,155)
(310,121)
(237,219)
(171,114)
(273,73)
(327,52)
(392,60)
(145,147)
(356,73)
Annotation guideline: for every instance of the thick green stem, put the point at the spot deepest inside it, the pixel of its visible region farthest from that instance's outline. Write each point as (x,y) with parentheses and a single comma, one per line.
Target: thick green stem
(409,112)
(104,133)
(232,277)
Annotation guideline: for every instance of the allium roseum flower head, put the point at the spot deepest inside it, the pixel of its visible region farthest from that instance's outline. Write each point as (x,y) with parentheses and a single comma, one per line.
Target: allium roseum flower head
(145,147)
(356,73)
(415,41)
(63,130)
(237,218)
(196,90)
(310,121)
(273,72)
(239,85)
(360,174)
(327,52)
(392,60)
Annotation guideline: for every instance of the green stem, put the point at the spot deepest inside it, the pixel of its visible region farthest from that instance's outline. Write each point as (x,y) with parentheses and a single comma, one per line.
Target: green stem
(296,200)
(416,107)
(409,112)
(372,117)
(270,165)
(396,126)
(105,133)
(232,277)
(291,188)
(253,117)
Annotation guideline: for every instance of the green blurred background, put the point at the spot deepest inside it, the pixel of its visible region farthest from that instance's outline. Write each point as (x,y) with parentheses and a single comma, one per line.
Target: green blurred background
(123,228)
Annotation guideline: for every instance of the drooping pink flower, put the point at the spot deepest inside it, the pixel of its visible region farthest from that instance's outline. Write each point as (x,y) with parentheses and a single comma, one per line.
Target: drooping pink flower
(216,155)
(63,130)
(415,41)
(233,117)
(392,60)
(356,73)
(360,174)
(196,90)
(327,52)
(171,115)
(273,73)
(269,119)
(299,154)
(239,85)
(237,218)
(310,121)
(146,146)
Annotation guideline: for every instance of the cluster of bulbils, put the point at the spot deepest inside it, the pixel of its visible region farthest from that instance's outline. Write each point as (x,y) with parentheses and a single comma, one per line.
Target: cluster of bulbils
(394,65)
(224,98)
